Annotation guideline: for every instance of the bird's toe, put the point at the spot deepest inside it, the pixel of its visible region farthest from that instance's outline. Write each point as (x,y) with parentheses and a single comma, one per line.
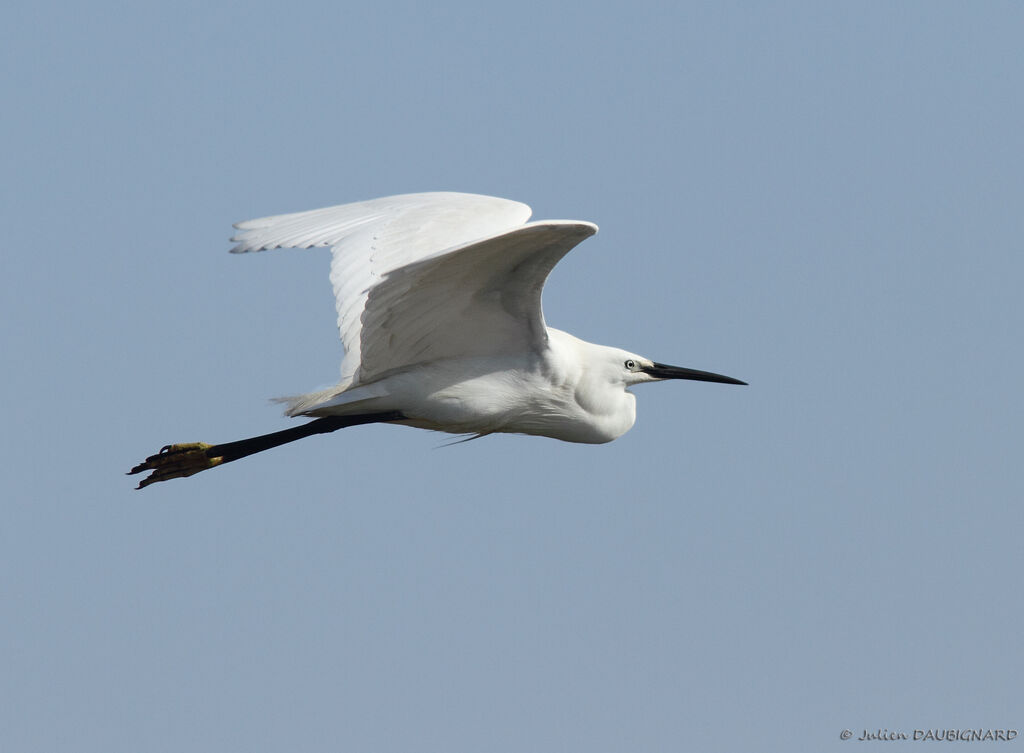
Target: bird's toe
(176,461)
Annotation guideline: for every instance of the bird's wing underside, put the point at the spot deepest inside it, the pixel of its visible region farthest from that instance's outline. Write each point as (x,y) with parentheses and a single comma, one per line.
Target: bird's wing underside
(481,299)
(370,239)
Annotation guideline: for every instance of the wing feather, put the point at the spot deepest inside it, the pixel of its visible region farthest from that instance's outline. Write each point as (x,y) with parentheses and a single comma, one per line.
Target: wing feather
(371,238)
(419,277)
(478,300)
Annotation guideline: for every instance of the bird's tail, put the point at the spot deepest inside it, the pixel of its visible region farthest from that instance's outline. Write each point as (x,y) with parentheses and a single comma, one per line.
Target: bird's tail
(340,400)
(301,405)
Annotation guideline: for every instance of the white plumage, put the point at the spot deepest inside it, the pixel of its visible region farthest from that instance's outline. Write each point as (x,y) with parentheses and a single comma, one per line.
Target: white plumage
(439,310)
(430,238)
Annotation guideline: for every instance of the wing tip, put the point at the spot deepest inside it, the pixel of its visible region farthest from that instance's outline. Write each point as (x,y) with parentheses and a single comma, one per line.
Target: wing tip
(256,224)
(586,229)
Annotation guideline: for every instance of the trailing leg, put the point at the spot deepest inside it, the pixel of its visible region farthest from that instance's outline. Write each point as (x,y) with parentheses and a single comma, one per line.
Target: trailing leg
(183,460)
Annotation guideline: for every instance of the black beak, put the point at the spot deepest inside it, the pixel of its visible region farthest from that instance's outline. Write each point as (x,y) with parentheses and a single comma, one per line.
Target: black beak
(664,371)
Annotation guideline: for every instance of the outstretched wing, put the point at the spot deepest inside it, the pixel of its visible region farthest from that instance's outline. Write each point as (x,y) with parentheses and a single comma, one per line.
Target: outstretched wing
(481,299)
(424,276)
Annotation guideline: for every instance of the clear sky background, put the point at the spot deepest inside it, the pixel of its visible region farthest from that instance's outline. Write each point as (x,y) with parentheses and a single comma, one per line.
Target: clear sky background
(822,199)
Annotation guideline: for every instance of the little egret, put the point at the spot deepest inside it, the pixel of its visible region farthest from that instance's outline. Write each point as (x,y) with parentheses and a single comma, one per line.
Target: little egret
(439,308)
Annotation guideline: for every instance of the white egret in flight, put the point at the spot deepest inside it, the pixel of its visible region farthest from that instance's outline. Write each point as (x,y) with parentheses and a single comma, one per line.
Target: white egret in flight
(439,308)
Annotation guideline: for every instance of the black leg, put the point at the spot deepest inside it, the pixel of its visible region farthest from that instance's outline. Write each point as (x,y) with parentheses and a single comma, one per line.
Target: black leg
(182,460)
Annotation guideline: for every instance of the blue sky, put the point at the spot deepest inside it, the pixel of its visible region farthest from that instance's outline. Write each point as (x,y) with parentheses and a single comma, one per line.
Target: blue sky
(821,199)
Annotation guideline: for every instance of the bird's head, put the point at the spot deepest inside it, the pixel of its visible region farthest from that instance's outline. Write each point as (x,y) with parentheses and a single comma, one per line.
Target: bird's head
(633,369)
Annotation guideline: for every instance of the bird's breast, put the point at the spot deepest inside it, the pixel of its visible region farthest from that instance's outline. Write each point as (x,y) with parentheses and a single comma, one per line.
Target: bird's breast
(476,398)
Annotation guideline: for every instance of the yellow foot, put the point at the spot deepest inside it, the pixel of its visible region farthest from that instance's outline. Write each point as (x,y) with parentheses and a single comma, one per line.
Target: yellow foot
(176,461)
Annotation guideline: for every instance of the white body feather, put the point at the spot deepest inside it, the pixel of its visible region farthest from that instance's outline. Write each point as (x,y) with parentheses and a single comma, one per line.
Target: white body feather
(549,394)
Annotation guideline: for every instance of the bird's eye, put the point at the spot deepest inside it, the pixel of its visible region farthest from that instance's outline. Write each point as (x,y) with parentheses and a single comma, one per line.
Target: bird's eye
(631,364)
